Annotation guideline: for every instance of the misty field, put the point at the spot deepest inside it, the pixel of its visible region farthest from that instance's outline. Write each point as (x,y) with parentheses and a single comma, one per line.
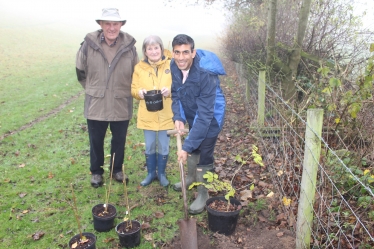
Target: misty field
(44,149)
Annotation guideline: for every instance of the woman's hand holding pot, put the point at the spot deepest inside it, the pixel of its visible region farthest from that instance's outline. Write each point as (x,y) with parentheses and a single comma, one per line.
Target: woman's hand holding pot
(141,93)
(165,91)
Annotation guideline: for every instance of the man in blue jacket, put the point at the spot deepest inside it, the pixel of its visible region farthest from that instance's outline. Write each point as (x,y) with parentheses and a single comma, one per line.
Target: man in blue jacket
(197,99)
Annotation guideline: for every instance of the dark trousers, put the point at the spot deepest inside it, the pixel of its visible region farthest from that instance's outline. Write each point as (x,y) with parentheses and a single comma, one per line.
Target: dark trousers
(96,133)
(206,150)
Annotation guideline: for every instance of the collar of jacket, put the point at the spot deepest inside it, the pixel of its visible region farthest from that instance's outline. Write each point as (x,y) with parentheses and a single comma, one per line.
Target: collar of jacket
(144,64)
(102,39)
(126,44)
(146,60)
(94,39)
(193,74)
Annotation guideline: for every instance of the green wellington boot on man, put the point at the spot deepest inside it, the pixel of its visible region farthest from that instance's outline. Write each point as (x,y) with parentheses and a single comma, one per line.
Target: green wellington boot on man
(202,193)
(192,161)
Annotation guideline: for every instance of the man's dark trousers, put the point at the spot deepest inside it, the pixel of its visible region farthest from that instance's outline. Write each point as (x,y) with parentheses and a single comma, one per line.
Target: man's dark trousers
(96,133)
(206,150)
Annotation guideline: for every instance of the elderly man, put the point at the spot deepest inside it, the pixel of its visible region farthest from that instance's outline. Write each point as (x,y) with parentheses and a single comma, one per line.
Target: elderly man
(105,64)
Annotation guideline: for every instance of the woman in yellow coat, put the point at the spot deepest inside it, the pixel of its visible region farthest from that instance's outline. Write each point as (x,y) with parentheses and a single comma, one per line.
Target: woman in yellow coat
(153,73)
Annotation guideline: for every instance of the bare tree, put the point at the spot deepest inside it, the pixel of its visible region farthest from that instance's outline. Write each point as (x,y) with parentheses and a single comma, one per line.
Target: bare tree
(289,67)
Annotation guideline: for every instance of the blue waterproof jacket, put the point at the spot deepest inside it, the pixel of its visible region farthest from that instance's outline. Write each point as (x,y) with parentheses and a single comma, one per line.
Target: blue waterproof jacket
(200,100)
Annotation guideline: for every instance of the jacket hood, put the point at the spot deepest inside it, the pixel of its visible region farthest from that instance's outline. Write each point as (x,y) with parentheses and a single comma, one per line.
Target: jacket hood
(168,54)
(210,62)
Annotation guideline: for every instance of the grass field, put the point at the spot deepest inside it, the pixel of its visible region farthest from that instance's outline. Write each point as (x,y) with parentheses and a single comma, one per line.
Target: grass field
(39,163)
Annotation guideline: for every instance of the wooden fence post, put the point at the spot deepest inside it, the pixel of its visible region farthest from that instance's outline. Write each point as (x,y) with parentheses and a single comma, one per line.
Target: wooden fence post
(261,99)
(237,67)
(241,75)
(247,87)
(312,153)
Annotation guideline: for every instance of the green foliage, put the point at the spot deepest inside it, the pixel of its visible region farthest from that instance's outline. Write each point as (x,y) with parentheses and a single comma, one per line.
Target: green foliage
(345,180)
(256,157)
(371,215)
(258,205)
(323,71)
(343,98)
(372,47)
(216,185)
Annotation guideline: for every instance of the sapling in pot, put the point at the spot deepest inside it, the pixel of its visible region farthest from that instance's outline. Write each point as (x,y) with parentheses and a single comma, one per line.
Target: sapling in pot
(107,193)
(223,211)
(82,240)
(129,230)
(105,214)
(216,185)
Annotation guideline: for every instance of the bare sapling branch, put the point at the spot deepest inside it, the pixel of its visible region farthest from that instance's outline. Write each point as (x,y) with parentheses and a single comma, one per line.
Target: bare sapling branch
(82,238)
(106,204)
(129,223)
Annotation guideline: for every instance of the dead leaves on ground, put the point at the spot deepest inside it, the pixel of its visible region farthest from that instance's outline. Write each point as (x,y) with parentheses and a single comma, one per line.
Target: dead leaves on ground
(110,239)
(145,225)
(38,235)
(159,215)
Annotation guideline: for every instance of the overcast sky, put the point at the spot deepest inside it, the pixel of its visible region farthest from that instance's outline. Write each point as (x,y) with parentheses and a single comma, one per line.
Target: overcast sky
(144,17)
(368,7)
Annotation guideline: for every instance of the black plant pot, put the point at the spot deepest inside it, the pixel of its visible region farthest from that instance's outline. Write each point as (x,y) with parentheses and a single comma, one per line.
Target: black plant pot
(153,100)
(88,245)
(222,222)
(103,223)
(130,238)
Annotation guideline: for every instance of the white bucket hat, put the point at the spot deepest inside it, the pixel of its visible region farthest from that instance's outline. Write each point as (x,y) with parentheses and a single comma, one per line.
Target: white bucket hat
(110,14)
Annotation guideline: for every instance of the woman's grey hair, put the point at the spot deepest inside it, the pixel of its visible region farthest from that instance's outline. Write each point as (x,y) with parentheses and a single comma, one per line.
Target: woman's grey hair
(152,40)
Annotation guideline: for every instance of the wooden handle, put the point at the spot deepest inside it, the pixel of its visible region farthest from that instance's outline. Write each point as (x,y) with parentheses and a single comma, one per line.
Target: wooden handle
(184,191)
(179,142)
(170,132)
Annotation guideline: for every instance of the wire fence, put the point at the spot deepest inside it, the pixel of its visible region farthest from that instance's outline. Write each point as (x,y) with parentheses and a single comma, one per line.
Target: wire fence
(343,206)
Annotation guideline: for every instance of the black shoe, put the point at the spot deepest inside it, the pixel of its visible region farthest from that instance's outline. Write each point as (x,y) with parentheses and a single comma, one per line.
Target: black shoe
(119,177)
(96,180)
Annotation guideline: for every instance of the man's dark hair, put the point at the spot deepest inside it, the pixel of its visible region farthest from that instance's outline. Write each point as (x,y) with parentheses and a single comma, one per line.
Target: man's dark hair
(182,39)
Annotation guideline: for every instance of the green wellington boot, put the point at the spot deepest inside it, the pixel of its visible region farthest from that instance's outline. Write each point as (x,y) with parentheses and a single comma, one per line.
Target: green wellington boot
(161,166)
(192,161)
(202,193)
(151,161)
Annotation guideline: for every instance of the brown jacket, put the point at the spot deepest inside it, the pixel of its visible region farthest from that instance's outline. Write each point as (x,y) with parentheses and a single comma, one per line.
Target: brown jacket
(107,86)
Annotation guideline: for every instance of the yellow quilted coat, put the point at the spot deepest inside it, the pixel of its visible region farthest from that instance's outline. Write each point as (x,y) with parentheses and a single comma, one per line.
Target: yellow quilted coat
(144,76)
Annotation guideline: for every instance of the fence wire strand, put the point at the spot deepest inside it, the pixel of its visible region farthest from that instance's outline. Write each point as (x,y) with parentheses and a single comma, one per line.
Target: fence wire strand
(339,221)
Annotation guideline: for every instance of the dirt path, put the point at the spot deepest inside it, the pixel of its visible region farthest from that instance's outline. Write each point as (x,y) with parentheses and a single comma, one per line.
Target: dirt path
(43,117)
